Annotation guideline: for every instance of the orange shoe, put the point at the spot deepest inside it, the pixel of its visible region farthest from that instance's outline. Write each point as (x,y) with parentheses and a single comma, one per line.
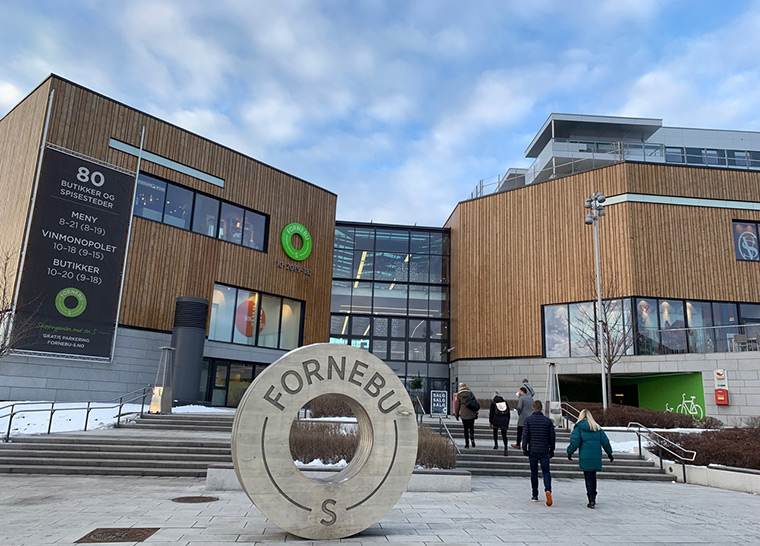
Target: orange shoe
(549,500)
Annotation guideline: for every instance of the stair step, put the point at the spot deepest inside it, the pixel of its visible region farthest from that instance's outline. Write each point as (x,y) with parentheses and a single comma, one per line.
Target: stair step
(11,454)
(102,471)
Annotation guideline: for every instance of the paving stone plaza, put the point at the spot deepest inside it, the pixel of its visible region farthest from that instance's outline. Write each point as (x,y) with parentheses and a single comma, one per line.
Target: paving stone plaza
(59,510)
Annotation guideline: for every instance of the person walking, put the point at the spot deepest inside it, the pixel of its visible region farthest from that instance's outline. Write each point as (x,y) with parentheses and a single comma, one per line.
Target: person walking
(589,437)
(524,408)
(498,418)
(467,408)
(531,392)
(538,444)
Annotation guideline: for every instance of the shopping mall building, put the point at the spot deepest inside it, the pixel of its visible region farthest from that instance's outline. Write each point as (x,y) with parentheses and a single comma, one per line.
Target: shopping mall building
(123,234)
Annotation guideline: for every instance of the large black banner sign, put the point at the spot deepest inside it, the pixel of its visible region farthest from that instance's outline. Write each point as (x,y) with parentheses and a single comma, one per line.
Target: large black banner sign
(69,291)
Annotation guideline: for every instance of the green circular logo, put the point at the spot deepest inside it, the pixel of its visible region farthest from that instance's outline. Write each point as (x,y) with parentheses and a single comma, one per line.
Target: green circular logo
(60,302)
(287,241)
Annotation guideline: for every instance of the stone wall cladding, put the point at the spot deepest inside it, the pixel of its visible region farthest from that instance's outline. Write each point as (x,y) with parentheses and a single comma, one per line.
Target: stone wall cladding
(742,369)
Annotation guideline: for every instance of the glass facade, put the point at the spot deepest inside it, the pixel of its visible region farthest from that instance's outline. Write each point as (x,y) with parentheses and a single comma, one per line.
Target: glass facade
(652,326)
(187,209)
(390,296)
(247,317)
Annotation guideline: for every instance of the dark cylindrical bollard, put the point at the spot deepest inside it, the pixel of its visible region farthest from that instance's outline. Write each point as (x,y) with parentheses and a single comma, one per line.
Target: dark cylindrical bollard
(188,338)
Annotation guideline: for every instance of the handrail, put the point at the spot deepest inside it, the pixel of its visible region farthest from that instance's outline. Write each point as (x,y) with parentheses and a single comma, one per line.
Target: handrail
(421,413)
(664,443)
(118,402)
(441,427)
(569,411)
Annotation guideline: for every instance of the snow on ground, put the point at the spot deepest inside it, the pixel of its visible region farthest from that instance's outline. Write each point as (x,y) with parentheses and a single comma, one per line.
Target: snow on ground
(35,417)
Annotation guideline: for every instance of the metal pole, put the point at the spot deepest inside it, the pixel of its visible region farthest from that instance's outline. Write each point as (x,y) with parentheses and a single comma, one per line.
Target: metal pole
(599,307)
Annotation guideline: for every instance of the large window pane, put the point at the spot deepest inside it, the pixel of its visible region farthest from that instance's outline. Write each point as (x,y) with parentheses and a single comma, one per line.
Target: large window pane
(419,268)
(360,326)
(673,155)
(695,156)
(364,265)
(269,322)
(438,352)
(398,327)
(380,348)
(439,330)
(245,318)
(672,316)
(380,327)
(231,224)
(419,242)
(418,329)
(745,242)
(390,299)
(361,297)
(222,313)
(439,269)
(417,351)
(392,240)
(290,337)
(341,297)
(342,263)
(582,329)
(398,350)
(254,231)
(647,326)
(439,301)
(737,158)
(206,215)
(440,243)
(150,198)
(391,267)
(339,325)
(179,204)
(699,319)
(344,237)
(725,314)
(418,300)
(556,333)
(364,238)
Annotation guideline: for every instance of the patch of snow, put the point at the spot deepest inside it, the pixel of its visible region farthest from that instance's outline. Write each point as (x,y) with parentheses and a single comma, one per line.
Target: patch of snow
(319,463)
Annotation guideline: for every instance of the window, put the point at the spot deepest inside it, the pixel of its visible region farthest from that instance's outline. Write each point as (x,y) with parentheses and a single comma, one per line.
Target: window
(647,326)
(186,209)
(248,317)
(179,204)
(231,223)
(701,337)
(556,335)
(737,158)
(672,318)
(716,157)
(746,244)
(150,198)
(673,155)
(205,215)
(695,156)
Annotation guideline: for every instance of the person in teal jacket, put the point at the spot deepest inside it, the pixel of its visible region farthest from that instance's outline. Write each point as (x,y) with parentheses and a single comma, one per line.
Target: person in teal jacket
(590,438)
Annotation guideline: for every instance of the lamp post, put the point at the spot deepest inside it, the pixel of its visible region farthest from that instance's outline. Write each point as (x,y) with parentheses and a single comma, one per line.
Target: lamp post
(596,209)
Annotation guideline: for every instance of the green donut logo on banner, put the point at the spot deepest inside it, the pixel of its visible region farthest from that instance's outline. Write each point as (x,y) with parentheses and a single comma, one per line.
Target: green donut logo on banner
(287,241)
(71,312)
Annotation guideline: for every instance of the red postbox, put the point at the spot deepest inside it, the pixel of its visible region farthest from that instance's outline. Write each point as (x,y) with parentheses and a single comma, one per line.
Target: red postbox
(721,397)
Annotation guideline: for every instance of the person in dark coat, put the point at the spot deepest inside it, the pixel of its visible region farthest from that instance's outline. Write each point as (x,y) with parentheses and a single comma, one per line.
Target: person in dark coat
(539,441)
(468,416)
(524,408)
(498,418)
(591,439)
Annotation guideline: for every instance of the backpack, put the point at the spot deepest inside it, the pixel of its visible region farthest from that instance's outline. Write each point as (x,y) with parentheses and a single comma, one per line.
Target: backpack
(501,412)
(472,404)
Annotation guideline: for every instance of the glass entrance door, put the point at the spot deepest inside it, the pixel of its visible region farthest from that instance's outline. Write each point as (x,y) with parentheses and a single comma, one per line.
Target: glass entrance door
(230,380)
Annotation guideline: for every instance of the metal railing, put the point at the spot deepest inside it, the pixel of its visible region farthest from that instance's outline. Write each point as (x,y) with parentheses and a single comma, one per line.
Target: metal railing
(569,412)
(116,403)
(683,455)
(443,428)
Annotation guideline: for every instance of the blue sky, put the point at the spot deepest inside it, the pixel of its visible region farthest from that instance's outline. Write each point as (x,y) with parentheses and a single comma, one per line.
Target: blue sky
(399,107)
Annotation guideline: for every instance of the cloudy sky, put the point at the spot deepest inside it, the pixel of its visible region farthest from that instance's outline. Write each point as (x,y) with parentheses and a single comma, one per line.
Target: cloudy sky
(398,106)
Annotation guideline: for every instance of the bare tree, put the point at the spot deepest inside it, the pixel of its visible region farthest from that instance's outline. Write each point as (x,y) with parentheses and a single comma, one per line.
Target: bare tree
(13,327)
(617,326)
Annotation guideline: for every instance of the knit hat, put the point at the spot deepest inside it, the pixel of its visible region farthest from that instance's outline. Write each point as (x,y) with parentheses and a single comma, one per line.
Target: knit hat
(463,387)
(496,393)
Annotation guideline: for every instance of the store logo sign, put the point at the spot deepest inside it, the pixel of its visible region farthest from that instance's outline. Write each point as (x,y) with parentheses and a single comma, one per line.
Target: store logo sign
(747,246)
(62,307)
(296,229)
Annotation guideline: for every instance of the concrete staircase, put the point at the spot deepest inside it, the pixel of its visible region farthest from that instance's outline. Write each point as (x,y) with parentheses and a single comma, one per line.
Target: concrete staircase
(187,444)
(171,445)
(485,461)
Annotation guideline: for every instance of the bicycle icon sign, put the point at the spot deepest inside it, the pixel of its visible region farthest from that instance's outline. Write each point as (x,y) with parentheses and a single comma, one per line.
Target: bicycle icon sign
(687,407)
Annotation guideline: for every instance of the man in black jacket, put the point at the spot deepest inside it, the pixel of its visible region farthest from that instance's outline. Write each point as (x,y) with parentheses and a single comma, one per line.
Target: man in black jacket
(538,444)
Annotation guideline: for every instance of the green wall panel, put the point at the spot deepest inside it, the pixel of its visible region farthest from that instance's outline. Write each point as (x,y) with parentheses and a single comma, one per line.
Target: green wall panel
(670,391)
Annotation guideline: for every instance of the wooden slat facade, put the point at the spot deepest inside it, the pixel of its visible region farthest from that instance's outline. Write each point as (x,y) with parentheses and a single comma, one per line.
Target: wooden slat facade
(516,251)
(20,140)
(166,262)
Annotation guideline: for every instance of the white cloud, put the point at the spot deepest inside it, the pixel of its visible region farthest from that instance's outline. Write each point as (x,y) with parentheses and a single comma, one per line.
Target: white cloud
(10,95)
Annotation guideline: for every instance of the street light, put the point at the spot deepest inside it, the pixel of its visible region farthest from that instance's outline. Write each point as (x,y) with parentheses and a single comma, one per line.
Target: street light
(596,209)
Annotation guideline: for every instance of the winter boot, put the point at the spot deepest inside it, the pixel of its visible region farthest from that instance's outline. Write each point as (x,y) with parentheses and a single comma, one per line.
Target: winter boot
(591,501)
(473,441)
(506,452)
